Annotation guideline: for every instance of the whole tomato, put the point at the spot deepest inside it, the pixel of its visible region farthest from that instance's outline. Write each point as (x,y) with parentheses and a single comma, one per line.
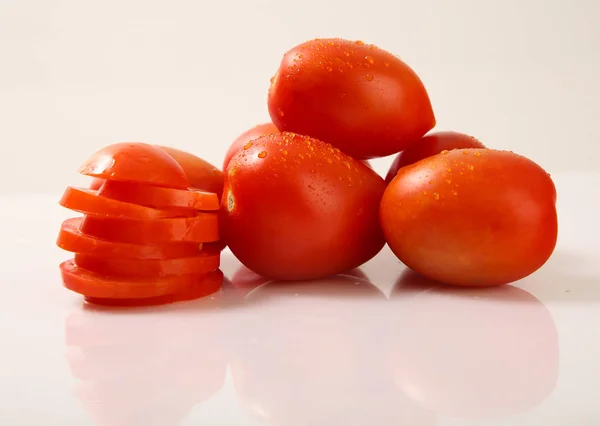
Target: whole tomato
(296,208)
(250,134)
(432,144)
(357,97)
(471,217)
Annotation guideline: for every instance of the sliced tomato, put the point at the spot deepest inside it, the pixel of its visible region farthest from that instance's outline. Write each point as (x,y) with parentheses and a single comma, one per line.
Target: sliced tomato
(89,202)
(201,228)
(71,239)
(207,285)
(135,162)
(161,198)
(96,183)
(200,264)
(91,284)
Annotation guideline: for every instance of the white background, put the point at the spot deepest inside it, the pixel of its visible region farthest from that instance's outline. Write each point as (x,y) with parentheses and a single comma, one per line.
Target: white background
(76,75)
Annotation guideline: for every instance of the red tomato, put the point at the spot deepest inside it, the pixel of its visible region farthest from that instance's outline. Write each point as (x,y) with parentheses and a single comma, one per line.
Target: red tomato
(200,264)
(96,183)
(361,99)
(95,285)
(135,162)
(297,208)
(71,239)
(201,228)
(249,135)
(89,202)
(161,198)
(471,217)
(431,144)
(200,173)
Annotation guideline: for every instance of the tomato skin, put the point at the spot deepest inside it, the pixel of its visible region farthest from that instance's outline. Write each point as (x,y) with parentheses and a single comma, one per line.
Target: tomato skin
(357,97)
(249,135)
(295,208)
(135,162)
(200,173)
(471,217)
(430,145)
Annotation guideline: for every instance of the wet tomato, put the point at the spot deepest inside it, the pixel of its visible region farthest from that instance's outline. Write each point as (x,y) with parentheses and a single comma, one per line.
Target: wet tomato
(297,208)
(135,162)
(361,99)
(471,217)
(432,144)
(249,135)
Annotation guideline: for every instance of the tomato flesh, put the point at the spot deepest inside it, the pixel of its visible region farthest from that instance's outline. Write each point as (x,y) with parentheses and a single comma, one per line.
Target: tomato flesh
(89,202)
(201,228)
(70,238)
(91,284)
(200,264)
(135,162)
(160,198)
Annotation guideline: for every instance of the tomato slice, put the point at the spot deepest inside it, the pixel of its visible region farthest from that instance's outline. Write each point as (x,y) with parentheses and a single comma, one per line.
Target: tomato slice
(135,162)
(161,198)
(71,239)
(91,284)
(200,264)
(89,202)
(201,228)
(209,284)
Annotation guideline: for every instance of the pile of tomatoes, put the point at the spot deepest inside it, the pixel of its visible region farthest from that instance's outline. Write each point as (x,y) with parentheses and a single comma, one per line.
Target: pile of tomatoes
(299,199)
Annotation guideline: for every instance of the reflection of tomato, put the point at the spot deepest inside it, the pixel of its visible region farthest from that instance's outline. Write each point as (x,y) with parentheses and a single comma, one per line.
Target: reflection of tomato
(200,173)
(296,208)
(359,98)
(135,162)
(432,144)
(471,217)
(471,352)
(249,135)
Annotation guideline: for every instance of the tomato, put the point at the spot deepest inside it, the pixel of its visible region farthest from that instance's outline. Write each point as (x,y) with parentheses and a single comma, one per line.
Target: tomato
(296,208)
(200,173)
(249,135)
(201,228)
(471,217)
(361,99)
(199,264)
(135,162)
(91,284)
(89,202)
(71,239)
(204,286)
(161,198)
(96,183)
(431,144)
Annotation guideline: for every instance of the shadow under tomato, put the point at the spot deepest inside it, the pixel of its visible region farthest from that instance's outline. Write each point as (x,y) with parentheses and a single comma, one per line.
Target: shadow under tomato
(132,370)
(472,353)
(314,354)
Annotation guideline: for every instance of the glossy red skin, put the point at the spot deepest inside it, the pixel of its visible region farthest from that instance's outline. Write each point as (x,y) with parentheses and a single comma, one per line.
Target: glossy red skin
(472,217)
(249,135)
(200,173)
(430,145)
(357,97)
(296,208)
(135,162)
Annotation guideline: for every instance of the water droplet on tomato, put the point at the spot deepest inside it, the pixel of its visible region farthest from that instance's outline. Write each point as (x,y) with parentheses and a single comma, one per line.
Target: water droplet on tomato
(430,182)
(329,160)
(436,195)
(448,181)
(262,154)
(449,170)
(329,69)
(470,167)
(359,42)
(283,151)
(444,152)
(248,145)
(454,193)
(369,77)
(387,64)
(349,65)
(424,192)
(369,60)
(280,112)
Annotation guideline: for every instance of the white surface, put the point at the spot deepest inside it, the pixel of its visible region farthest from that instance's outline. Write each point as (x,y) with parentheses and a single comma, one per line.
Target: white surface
(77,75)
(329,353)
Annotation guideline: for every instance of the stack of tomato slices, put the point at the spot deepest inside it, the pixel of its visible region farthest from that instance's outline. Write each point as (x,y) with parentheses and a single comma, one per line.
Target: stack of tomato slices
(145,237)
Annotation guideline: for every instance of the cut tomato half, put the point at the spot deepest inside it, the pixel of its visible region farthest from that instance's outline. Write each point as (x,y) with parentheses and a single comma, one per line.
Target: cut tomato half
(203,227)
(207,285)
(91,284)
(200,264)
(71,239)
(89,202)
(160,198)
(135,162)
